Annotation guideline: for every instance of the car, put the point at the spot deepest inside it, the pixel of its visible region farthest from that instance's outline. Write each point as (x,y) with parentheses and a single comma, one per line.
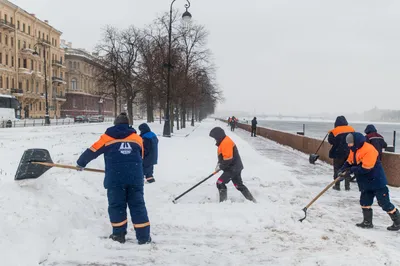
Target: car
(80,119)
(96,119)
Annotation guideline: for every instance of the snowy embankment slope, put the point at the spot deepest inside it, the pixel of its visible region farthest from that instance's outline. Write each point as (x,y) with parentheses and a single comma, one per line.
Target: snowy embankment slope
(59,218)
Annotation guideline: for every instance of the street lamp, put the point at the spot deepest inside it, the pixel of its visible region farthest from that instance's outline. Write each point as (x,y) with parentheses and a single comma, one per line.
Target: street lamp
(46,117)
(186,17)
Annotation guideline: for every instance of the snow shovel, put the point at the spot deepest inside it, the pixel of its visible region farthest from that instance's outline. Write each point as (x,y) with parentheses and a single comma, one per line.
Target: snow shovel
(314,157)
(319,195)
(198,184)
(35,162)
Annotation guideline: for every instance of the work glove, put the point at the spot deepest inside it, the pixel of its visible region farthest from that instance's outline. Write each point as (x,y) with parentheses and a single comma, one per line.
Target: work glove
(343,173)
(79,168)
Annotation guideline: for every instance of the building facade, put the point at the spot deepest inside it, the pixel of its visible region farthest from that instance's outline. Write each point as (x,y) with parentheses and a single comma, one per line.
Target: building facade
(83,95)
(28,46)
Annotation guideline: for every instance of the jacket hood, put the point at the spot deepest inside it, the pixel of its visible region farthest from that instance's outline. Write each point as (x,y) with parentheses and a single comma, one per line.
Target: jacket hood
(370,129)
(120,131)
(218,134)
(341,121)
(359,141)
(144,128)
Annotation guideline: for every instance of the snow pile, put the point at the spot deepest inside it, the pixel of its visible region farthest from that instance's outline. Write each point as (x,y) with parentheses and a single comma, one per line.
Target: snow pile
(60,218)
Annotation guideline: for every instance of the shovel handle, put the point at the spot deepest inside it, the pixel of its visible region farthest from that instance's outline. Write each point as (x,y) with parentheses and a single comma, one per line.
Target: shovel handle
(68,167)
(322,192)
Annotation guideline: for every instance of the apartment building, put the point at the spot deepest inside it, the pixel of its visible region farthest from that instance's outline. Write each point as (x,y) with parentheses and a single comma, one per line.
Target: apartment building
(83,94)
(30,54)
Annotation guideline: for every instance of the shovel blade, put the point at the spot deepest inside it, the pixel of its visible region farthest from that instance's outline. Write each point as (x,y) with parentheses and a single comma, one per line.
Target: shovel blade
(313,158)
(28,170)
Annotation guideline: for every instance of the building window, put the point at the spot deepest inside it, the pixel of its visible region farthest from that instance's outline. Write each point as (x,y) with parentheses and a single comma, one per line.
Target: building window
(6,59)
(18,24)
(11,20)
(12,61)
(7,83)
(19,62)
(19,44)
(40,106)
(39,35)
(31,64)
(6,39)
(13,83)
(25,63)
(47,37)
(55,43)
(74,84)
(1,82)
(70,65)
(1,38)
(5,17)
(23,27)
(1,58)
(24,44)
(29,30)
(12,41)
(37,87)
(20,85)
(74,103)
(27,85)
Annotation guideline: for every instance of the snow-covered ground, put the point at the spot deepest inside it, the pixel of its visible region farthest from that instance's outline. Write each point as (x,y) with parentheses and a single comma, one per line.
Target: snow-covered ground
(60,218)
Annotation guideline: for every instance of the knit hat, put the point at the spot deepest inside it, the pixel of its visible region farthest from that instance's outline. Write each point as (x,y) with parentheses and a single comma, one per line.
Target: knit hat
(350,139)
(121,119)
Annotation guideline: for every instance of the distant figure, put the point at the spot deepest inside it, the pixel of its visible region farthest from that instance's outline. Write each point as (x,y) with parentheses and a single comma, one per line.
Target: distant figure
(150,143)
(233,123)
(229,121)
(339,151)
(254,127)
(230,163)
(375,139)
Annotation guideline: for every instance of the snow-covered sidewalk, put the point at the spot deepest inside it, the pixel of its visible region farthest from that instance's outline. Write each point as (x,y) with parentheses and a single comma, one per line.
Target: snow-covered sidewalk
(60,218)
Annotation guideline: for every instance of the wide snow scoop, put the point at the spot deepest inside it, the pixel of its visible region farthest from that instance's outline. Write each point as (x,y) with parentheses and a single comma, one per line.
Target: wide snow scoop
(35,162)
(317,197)
(198,184)
(314,157)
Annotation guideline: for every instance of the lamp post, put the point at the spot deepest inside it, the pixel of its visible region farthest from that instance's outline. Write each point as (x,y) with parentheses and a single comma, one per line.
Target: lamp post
(46,117)
(186,17)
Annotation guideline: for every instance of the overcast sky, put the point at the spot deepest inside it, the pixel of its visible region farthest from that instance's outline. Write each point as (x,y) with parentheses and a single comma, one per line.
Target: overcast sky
(287,56)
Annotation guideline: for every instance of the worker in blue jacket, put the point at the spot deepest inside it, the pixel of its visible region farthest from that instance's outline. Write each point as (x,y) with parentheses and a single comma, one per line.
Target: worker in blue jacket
(150,143)
(123,152)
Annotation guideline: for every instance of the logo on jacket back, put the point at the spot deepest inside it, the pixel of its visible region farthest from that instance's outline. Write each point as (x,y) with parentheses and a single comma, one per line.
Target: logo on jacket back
(125,148)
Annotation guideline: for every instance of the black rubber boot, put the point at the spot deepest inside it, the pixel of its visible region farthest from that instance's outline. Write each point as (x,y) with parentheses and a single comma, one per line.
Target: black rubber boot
(223,195)
(141,242)
(396,221)
(246,193)
(337,186)
(118,237)
(347,184)
(367,222)
(150,179)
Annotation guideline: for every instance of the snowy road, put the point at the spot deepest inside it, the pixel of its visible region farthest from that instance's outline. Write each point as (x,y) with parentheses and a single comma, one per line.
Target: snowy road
(59,219)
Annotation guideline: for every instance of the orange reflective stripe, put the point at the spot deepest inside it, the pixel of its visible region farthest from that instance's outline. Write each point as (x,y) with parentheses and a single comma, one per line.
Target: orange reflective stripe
(342,129)
(119,224)
(351,157)
(138,140)
(141,225)
(101,142)
(226,148)
(367,155)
